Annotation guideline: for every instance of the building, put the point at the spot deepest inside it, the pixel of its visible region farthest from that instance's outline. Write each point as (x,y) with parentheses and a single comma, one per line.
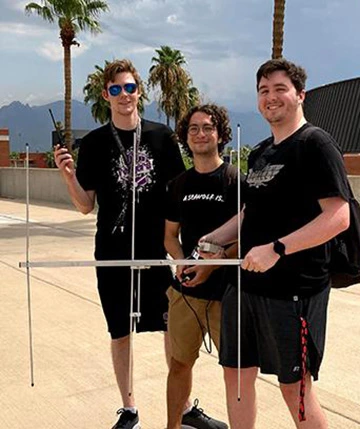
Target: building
(336,108)
(4,148)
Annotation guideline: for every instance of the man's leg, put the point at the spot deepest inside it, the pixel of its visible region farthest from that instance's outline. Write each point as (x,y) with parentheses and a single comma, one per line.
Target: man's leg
(186,339)
(179,385)
(120,357)
(181,355)
(167,346)
(242,414)
(315,417)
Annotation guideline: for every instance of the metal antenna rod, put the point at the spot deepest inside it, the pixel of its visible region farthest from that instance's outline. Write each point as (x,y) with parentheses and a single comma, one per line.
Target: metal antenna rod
(138,263)
(138,313)
(137,136)
(28,268)
(239,269)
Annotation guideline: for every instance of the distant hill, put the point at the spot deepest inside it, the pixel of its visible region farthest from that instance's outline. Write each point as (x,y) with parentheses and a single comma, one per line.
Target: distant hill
(32,124)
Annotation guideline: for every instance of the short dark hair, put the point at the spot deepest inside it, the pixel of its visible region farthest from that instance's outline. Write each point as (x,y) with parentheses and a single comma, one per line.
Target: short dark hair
(120,66)
(219,118)
(296,74)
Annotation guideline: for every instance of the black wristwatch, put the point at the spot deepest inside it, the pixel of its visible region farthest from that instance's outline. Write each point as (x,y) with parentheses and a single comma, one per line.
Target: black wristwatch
(279,248)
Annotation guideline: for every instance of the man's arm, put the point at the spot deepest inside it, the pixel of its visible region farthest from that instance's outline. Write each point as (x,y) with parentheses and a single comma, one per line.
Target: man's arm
(174,248)
(226,233)
(83,200)
(334,219)
(172,243)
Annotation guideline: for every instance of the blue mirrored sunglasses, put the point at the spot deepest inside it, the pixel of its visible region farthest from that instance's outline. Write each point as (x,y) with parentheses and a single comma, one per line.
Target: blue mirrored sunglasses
(115,90)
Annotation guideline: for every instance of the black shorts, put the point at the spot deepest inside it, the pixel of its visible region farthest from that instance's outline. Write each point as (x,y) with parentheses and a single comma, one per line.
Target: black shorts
(114,290)
(270,333)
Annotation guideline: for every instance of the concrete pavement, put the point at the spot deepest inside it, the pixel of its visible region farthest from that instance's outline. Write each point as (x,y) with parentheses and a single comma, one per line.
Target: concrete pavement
(74,383)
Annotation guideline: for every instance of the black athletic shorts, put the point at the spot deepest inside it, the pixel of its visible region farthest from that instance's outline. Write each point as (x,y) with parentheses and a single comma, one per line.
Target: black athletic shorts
(271,333)
(114,290)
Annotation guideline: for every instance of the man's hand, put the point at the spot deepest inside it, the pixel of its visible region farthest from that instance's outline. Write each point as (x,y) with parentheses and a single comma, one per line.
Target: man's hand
(64,161)
(179,272)
(260,258)
(202,273)
(209,255)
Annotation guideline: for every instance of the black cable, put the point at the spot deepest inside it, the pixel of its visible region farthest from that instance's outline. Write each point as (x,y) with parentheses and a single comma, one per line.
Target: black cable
(202,328)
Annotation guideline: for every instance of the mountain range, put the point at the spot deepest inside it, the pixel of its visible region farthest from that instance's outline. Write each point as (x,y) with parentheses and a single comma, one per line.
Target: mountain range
(33,125)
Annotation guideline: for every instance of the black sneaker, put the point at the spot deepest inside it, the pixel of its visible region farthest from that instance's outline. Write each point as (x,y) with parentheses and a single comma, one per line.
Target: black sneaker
(127,420)
(197,419)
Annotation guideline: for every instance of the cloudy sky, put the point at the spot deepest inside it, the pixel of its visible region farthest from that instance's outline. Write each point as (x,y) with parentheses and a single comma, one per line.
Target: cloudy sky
(224,42)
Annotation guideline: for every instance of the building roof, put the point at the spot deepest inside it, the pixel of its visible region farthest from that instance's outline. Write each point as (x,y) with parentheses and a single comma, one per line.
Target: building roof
(335,107)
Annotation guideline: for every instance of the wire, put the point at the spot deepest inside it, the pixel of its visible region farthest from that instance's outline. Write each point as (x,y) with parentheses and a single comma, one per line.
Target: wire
(204,330)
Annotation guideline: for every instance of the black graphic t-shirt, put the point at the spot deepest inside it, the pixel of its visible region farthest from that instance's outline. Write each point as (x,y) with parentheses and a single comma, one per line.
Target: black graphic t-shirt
(284,183)
(201,202)
(101,168)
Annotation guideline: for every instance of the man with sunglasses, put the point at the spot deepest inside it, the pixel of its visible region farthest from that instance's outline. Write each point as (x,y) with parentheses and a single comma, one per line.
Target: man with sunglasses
(198,200)
(296,201)
(104,171)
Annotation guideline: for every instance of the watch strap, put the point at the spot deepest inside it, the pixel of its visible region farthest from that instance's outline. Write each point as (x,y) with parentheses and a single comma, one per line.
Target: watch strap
(279,248)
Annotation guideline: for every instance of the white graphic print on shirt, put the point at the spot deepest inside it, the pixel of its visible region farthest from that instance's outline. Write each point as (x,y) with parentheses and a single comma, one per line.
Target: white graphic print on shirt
(145,173)
(203,197)
(263,177)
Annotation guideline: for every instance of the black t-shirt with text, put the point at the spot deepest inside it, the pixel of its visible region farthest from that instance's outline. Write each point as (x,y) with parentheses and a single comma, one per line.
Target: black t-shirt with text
(200,203)
(101,168)
(284,183)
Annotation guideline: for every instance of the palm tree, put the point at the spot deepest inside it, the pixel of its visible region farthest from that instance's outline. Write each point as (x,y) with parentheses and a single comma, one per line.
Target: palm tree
(185,96)
(168,73)
(194,96)
(72,16)
(100,108)
(278,28)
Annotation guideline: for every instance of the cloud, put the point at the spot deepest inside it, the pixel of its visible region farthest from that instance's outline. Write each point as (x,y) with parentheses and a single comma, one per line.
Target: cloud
(230,82)
(17,5)
(55,51)
(321,9)
(204,29)
(37,98)
(224,41)
(173,19)
(7,99)
(208,33)
(22,30)
(19,37)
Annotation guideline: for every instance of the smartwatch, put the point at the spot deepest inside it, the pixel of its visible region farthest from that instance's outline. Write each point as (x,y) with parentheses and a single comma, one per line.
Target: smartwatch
(279,248)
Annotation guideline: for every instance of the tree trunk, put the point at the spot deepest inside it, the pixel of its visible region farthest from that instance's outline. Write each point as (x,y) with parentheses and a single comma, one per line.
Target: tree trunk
(278,28)
(67,98)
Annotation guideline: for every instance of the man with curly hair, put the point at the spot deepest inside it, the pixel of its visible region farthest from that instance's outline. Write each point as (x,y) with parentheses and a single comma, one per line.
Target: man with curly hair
(198,200)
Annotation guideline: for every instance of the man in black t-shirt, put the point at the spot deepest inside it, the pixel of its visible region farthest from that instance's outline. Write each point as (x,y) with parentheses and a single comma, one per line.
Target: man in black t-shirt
(296,200)
(198,200)
(104,171)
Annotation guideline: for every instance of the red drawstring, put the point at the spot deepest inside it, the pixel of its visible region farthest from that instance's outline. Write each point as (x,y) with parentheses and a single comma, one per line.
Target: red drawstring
(304,340)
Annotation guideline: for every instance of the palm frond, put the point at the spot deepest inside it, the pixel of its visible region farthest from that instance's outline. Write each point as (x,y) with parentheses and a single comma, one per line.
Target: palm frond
(72,16)
(43,11)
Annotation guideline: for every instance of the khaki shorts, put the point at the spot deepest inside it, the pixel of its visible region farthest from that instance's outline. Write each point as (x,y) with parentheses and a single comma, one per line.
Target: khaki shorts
(183,327)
